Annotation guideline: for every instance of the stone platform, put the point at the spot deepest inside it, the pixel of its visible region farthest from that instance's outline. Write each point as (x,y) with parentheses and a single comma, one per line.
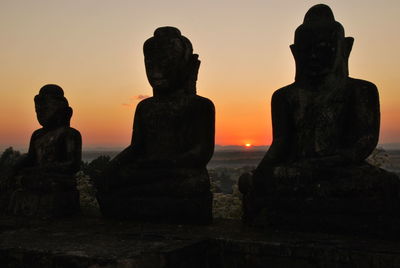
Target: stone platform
(95,242)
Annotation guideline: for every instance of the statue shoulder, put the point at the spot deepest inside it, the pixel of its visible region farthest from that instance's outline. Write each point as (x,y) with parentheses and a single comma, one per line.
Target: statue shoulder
(73,132)
(145,103)
(37,133)
(203,105)
(284,92)
(362,85)
(202,101)
(363,90)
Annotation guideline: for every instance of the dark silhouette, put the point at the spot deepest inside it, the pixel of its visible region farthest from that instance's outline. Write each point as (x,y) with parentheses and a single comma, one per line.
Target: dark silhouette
(162,175)
(42,182)
(325,125)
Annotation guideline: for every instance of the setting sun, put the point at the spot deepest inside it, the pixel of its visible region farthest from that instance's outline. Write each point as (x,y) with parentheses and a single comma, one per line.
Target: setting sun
(247,145)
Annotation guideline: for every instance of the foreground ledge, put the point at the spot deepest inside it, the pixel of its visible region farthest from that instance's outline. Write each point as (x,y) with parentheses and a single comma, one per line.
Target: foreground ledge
(96,242)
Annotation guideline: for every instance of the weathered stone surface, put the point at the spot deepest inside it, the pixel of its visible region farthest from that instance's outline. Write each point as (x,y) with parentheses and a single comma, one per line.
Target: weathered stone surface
(42,182)
(162,175)
(122,205)
(225,244)
(349,205)
(325,125)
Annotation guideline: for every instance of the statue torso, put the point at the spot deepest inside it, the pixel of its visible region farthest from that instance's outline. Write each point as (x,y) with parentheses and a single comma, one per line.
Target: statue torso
(318,120)
(169,125)
(49,146)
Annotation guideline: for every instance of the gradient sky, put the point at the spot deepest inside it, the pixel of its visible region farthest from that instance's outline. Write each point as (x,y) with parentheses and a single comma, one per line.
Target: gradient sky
(93,50)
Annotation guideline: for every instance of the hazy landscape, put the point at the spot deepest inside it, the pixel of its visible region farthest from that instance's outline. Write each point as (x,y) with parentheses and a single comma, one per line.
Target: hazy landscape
(231,159)
(237,157)
(229,162)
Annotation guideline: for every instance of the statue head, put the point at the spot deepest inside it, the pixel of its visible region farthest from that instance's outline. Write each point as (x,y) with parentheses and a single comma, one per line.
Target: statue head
(52,109)
(320,47)
(170,62)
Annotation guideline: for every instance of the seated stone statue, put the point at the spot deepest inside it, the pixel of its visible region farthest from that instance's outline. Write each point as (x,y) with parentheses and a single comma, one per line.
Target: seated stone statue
(162,175)
(325,125)
(42,182)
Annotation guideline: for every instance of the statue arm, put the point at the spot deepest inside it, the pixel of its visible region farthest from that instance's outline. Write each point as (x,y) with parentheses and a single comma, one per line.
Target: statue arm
(204,137)
(281,129)
(27,160)
(138,130)
(73,150)
(362,130)
(365,124)
(137,140)
(10,170)
(129,153)
(24,162)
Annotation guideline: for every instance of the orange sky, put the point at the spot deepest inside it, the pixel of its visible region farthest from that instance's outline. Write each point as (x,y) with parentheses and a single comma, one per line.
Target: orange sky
(93,50)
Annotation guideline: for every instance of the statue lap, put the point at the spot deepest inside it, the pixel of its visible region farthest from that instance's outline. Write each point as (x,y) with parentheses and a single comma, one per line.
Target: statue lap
(166,194)
(350,199)
(181,196)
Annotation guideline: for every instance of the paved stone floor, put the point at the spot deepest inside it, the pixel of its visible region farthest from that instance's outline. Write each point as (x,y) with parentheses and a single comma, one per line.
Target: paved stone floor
(96,242)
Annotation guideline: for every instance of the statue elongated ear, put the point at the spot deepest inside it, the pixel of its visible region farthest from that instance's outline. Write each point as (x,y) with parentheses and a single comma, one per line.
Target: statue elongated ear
(65,116)
(69,112)
(194,65)
(348,45)
(193,69)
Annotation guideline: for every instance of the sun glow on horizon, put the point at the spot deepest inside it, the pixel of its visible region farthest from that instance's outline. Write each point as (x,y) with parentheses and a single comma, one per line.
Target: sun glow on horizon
(247,145)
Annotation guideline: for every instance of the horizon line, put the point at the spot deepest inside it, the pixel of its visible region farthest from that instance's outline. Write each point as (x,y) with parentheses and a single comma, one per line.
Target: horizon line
(389,145)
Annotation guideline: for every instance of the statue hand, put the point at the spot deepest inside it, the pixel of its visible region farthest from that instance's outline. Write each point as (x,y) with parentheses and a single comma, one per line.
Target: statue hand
(245,182)
(320,162)
(155,162)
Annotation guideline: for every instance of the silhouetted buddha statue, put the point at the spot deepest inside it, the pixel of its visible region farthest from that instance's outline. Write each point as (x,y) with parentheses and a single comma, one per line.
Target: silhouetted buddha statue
(43,181)
(325,125)
(162,175)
